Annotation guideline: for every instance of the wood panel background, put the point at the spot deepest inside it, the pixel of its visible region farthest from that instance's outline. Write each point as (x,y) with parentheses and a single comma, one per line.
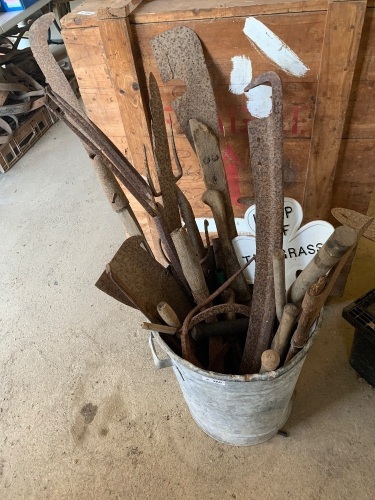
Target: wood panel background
(301,25)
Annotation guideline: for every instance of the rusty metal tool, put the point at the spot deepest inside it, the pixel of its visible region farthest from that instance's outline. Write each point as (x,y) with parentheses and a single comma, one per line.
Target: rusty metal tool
(354,220)
(212,165)
(187,349)
(99,143)
(127,174)
(214,200)
(82,126)
(108,286)
(266,147)
(179,56)
(328,255)
(270,360)
(38,37)
(166,178)
(147,282)
(283,333)
(278,263)
(195,277)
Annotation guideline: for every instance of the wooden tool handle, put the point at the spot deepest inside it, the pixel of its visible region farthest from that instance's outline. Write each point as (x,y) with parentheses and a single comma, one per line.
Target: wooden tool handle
(155,327)
(288,318)
(278,262)
(190,265)
(342,239)
(188,217)
(212,165)
(214,200)
(270,360)
(168,315)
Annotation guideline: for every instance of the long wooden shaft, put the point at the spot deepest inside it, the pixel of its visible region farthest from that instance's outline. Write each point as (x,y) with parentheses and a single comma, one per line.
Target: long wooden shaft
(288,319)
(329,254)
(278,262)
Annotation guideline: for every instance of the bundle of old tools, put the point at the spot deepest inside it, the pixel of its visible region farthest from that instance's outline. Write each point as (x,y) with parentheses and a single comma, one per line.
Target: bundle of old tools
(201,303)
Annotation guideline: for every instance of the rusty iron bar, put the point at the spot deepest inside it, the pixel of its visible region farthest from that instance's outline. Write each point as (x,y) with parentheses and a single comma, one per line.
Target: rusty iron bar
(265,137)
(127,174)
(131,178)
(166,178)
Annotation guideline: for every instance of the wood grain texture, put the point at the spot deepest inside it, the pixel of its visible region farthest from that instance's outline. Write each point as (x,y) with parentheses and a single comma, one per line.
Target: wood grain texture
(131,95)
(184,10)
(152,11)
(354,180)
(117,8)
(340,49)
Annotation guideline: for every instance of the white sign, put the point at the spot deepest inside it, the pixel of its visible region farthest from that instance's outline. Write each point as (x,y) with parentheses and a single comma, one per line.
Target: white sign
(299,244)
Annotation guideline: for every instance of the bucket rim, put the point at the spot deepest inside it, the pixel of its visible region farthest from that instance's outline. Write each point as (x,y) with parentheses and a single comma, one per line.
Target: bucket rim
(248,377)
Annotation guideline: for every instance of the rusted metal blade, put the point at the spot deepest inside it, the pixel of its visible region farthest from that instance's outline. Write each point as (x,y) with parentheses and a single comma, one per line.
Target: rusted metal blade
(106,285)
(265,137)
(166,178)
(354,220)
(179,55)
(146,282)
(212,165)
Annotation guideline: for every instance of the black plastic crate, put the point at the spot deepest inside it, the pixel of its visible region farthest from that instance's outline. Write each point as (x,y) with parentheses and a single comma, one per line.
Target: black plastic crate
(361,314)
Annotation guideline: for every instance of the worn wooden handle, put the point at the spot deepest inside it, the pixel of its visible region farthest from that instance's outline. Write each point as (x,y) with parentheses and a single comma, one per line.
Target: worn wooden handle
(214,200)
(278,262)
(329,254)
(270,360)
(155,327)
(188,217)
(190,265)
(168,315)
(288,318)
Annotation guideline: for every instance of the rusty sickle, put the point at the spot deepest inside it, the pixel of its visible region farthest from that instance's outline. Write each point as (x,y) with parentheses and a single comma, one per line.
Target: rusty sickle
(265,137)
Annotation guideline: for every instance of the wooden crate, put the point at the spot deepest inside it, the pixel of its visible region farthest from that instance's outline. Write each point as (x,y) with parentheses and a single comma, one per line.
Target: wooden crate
(329,129)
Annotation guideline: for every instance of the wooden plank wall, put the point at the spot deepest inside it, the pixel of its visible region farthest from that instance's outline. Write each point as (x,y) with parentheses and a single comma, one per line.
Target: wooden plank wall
(354,175)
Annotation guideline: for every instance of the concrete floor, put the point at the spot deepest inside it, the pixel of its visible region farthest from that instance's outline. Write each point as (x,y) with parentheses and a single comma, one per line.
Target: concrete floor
(67,349)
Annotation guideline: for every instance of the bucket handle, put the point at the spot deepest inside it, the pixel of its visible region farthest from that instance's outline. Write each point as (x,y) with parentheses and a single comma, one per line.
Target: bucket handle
(159,363)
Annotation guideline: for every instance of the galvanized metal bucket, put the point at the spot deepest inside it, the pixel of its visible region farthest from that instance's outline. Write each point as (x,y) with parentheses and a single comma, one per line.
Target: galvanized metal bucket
(235,409)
